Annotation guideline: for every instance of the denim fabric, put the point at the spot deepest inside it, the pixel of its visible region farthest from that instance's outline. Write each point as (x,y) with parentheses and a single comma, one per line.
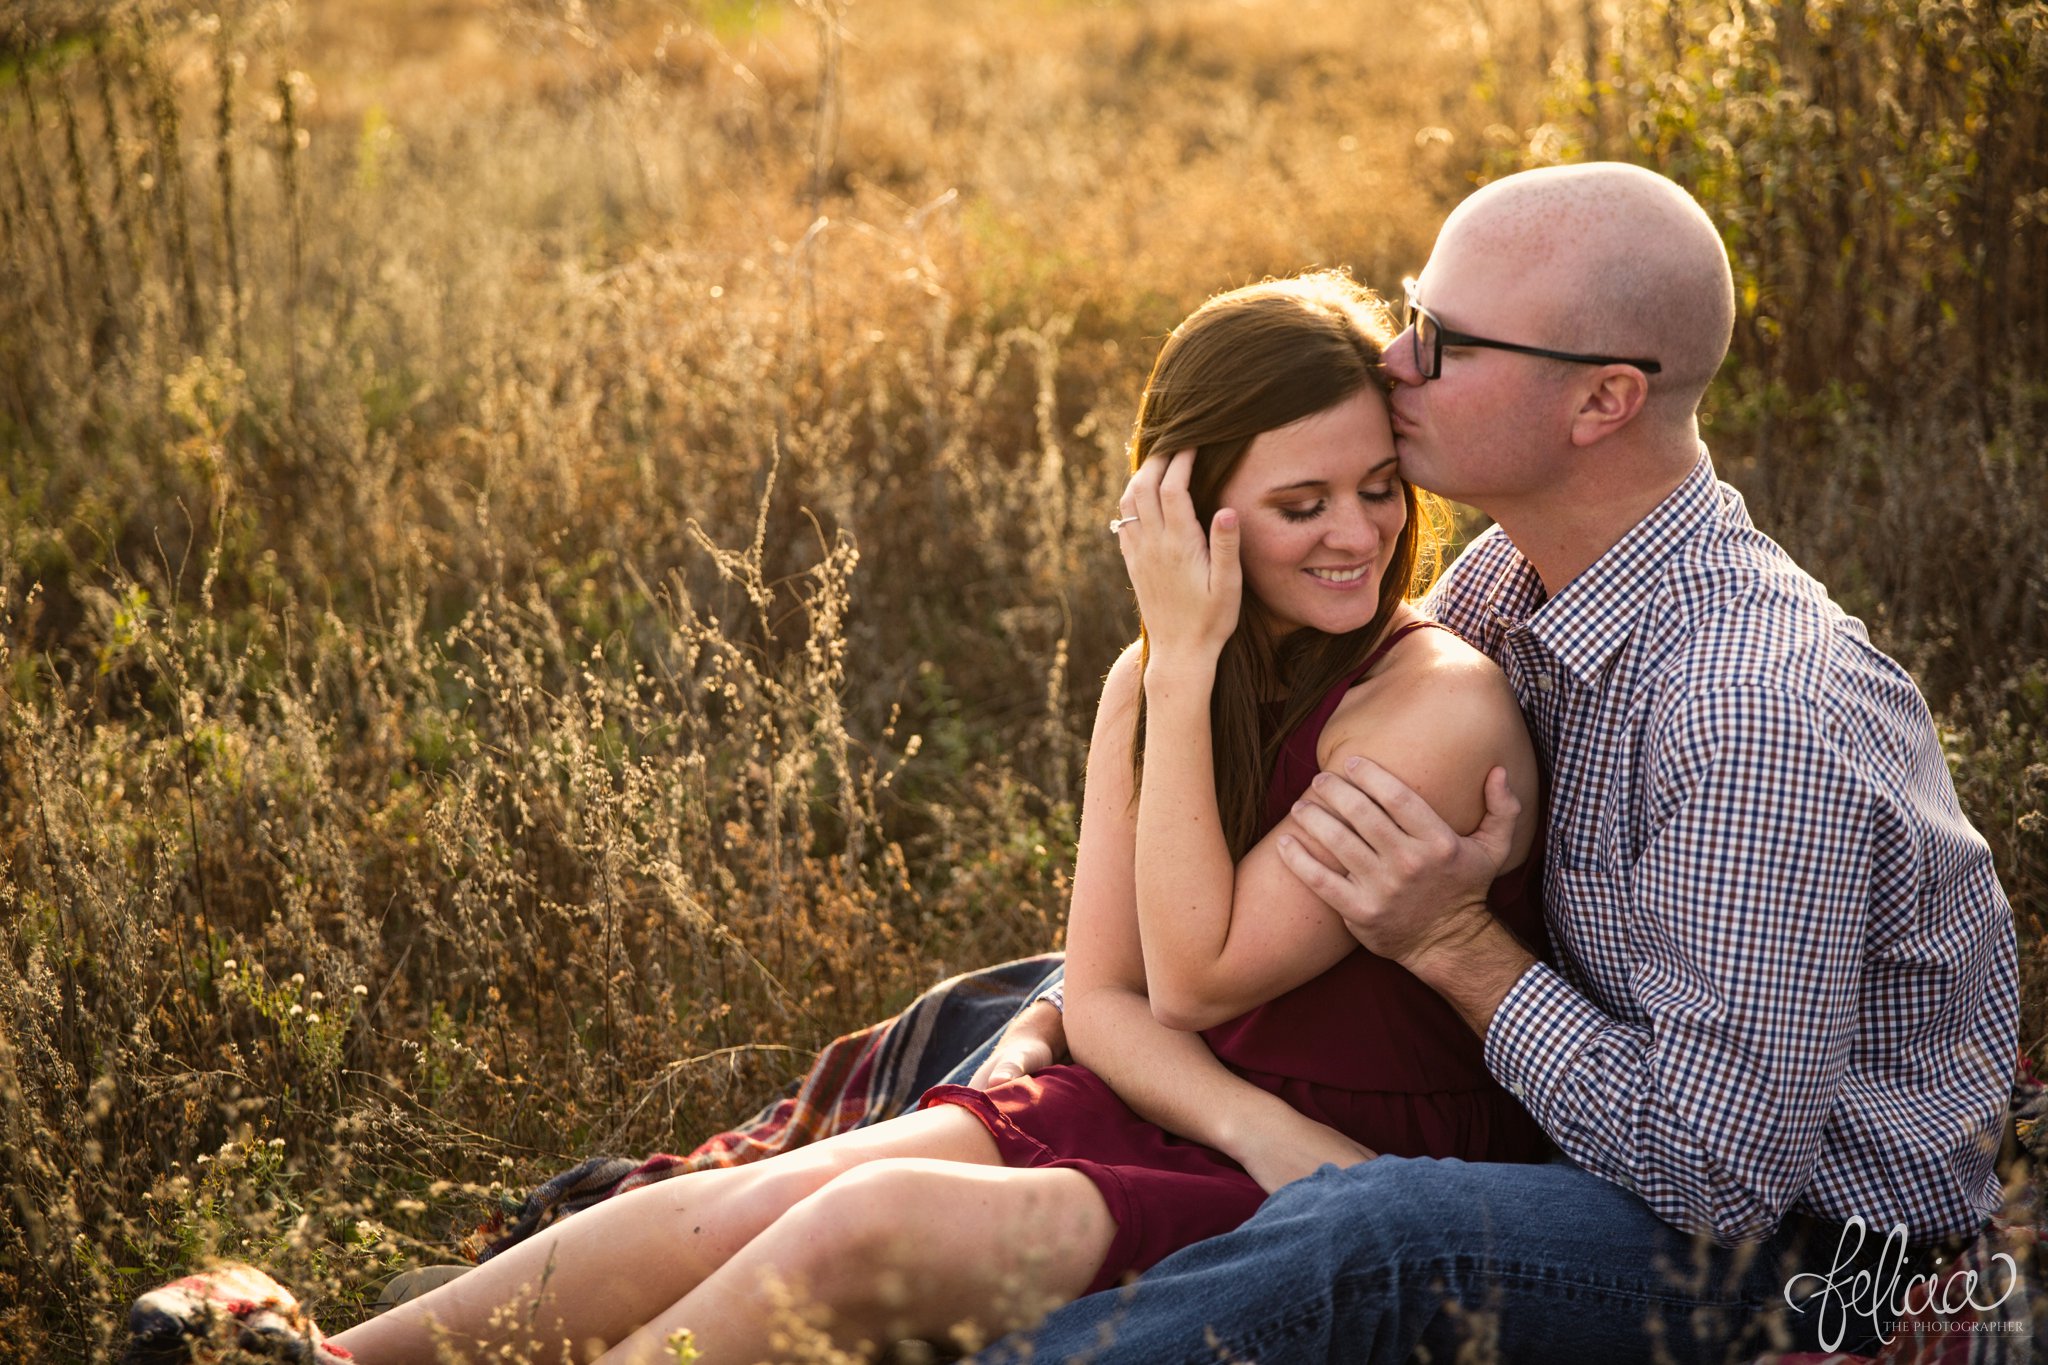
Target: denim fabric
(1414,1258)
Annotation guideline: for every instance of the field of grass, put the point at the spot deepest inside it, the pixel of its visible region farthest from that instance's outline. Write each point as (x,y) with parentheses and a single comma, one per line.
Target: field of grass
(550,553)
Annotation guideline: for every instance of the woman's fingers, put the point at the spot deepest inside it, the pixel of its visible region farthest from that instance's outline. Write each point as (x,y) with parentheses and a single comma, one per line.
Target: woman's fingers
(1127,505)
(1188,584)
(1179,471)
(1132,503)
(1035,1039)
(1224,574)
(1141,497)
(1157,498)
(1176,507)
(1145,483)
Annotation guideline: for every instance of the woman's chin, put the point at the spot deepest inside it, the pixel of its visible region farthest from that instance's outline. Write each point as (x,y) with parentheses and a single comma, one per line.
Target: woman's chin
(1324,622)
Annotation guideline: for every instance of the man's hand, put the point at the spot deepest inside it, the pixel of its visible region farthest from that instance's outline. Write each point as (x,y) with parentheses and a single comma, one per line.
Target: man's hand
(1406,882)
(1411,888)
(1035,1039)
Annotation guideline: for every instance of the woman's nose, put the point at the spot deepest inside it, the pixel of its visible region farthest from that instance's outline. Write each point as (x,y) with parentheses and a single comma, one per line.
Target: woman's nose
(1353,529)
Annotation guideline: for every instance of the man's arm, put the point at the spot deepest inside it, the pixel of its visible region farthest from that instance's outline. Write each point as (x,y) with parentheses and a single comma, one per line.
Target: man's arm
(1741,922)
(1409,887)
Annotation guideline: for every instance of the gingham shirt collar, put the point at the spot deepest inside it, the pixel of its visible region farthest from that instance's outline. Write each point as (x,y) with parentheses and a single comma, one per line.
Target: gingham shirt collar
(1589,619)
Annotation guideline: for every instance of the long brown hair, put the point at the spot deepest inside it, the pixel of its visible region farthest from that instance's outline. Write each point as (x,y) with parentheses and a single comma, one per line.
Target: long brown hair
(1245,362)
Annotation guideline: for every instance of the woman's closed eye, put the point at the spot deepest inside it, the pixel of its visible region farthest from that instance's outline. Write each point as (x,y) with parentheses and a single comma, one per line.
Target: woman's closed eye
(1383,492)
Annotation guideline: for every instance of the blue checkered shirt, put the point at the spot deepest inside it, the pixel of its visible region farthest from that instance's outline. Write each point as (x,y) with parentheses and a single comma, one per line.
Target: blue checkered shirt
(1785,970)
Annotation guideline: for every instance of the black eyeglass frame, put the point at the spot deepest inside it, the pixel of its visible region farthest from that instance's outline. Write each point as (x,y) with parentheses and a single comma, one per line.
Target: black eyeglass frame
(1431,366)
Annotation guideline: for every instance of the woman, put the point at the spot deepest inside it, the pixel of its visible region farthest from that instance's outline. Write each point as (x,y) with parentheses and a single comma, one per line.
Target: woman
(1276,643)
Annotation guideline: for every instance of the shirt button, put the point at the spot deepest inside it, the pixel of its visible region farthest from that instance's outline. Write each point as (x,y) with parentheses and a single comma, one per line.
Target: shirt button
(1542,682)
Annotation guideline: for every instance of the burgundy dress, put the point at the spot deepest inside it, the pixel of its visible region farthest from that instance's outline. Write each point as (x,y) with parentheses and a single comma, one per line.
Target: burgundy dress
(1364,1047)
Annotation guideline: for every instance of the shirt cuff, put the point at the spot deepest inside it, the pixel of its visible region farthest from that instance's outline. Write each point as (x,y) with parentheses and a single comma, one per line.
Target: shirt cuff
(1055,995)
(1539,1028)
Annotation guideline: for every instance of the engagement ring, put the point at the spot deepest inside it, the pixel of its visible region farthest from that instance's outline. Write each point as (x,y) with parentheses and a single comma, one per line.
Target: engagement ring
(1118,523)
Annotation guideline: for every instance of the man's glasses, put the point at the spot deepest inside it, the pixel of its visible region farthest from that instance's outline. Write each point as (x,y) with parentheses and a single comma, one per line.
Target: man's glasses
(1430,337)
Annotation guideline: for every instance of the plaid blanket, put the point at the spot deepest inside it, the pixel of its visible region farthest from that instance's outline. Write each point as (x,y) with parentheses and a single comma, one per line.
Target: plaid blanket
(858,1079)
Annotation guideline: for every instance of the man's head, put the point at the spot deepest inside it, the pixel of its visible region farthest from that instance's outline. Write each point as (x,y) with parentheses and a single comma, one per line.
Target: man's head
(1601,260)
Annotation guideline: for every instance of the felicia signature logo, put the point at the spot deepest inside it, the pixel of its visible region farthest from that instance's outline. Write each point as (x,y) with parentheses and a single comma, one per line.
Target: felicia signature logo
(1886,1295)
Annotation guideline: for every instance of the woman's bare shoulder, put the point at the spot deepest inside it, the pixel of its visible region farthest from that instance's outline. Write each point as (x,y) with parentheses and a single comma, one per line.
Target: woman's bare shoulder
(1436,669)
(1440,715)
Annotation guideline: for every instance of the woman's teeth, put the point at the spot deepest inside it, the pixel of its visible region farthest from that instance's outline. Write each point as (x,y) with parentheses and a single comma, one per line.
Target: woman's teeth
(1340,575)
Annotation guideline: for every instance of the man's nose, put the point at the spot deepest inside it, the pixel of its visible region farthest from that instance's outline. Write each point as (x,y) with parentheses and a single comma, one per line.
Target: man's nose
(1399,359)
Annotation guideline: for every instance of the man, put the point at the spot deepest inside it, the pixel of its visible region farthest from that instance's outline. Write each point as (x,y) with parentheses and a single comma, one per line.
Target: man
(1784,1006)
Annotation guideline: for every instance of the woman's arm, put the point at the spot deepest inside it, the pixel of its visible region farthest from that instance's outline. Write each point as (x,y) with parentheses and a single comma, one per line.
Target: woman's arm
(1166,1076)
(1219,940)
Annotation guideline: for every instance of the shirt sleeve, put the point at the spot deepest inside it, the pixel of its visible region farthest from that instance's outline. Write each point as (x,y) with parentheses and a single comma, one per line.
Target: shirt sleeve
(1739,927)
(1055,994)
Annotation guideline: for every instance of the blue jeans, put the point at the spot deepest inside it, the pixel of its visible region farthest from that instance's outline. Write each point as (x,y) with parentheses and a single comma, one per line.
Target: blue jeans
(1398,1256)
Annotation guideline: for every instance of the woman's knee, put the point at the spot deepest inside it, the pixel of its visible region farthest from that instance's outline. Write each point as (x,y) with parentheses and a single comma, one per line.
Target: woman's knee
(873,1212)
(854,1245)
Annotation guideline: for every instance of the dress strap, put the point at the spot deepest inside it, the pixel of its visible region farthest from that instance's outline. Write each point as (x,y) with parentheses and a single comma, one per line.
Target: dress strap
(1393,638)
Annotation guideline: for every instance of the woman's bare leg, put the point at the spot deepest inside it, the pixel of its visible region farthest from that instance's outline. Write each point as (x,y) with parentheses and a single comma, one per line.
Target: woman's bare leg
(897,1249)
(591,1279)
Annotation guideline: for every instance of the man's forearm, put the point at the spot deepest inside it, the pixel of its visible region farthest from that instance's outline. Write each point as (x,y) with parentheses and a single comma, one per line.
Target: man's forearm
(1473,964)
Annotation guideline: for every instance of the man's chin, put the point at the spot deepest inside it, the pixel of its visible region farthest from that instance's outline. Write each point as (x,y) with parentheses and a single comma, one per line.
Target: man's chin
(1416,466)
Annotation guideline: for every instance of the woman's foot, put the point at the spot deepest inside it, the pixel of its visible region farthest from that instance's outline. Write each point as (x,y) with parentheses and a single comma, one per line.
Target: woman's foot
(230,1307)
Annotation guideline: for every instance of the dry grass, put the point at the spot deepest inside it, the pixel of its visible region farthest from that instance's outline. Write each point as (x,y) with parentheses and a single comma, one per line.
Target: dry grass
(552,555)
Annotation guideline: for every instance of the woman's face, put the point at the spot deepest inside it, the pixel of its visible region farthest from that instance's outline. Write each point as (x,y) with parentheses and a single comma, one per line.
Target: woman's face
(1319,506)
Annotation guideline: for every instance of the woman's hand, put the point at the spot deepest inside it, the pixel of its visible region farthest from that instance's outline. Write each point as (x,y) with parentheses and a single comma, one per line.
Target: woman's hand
(1287,1145)
(1035,1039)
(1188,582)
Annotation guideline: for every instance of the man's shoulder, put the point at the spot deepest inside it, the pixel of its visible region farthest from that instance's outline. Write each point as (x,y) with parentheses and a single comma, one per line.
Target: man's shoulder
(1736,616)
(1735,594)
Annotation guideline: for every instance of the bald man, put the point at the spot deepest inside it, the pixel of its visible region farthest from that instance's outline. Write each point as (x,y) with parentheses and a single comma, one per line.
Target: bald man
(1775,1046)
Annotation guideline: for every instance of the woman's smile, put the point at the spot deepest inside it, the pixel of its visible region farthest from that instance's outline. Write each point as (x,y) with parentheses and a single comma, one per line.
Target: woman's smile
(1341,578)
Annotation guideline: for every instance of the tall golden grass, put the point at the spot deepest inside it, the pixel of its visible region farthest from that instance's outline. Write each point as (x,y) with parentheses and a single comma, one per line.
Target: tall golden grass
(552,553)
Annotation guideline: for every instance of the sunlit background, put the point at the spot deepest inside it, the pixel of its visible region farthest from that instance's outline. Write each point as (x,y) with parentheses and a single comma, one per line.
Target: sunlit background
(551,554)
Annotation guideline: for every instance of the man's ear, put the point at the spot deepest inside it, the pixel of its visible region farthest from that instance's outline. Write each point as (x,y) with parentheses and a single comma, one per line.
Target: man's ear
(1617,394)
